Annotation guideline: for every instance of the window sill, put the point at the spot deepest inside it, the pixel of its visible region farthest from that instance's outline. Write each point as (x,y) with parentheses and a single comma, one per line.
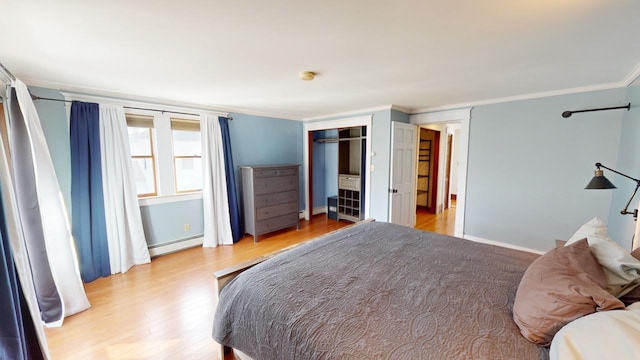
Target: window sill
(164,199)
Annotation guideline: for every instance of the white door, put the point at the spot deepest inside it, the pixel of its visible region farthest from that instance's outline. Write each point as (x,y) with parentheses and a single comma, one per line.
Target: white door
(402,197)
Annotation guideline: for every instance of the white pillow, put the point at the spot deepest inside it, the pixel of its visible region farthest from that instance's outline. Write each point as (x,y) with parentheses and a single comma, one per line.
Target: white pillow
(602,335)
(620,268)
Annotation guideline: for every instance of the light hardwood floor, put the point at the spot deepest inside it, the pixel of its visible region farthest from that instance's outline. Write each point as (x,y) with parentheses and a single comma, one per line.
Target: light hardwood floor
(163,310)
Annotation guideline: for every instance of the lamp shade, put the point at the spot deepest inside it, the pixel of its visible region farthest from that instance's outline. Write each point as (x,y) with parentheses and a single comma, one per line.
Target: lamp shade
(600,182)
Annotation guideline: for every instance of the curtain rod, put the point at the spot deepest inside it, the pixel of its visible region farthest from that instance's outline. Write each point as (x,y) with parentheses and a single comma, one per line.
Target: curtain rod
(34,97)
(7,72)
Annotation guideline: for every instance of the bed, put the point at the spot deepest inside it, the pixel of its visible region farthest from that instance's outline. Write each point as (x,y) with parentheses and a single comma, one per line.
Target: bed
(376,291)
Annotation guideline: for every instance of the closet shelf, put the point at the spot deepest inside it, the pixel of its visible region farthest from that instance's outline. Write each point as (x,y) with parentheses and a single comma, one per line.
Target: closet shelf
(326,140)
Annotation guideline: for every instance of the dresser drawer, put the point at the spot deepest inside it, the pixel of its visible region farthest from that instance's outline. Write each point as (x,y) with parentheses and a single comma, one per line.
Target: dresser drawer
(277,223)
(269,185)
(276,210)
(275,199)
(349,182)
(261,173)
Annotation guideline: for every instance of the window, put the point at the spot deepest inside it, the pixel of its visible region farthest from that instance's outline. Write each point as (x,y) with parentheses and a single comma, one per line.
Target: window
(187,155)
(140,130)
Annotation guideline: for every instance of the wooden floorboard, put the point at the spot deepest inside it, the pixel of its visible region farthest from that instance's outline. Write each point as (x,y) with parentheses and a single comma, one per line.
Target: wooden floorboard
(163,310)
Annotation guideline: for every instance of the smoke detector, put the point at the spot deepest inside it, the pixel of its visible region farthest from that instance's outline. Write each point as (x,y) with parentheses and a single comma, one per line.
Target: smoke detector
(307,75)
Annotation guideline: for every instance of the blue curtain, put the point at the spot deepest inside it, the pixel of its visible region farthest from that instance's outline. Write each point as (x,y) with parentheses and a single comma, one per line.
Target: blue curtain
(88,224)
(18,339)
(234,209)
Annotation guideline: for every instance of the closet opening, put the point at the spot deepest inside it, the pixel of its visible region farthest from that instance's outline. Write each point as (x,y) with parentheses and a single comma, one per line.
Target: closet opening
(337,172)
(321,169)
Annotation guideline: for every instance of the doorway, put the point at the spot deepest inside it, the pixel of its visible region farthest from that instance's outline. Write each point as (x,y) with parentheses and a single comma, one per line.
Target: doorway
(436,185)
(427,170)
(460,118)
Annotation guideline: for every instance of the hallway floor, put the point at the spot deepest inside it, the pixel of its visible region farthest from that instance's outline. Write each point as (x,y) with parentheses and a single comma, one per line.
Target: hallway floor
(443,223)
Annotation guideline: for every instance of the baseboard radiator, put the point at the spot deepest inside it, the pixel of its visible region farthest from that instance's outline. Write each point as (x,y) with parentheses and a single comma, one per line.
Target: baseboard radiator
(173,246)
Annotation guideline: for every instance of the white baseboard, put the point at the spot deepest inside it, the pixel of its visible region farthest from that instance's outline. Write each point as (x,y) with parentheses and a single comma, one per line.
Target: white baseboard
(156,250)
(505,245)
(319,210)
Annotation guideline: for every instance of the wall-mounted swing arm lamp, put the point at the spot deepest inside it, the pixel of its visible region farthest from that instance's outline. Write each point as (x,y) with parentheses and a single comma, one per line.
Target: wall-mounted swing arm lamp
(601,182)
(567,114)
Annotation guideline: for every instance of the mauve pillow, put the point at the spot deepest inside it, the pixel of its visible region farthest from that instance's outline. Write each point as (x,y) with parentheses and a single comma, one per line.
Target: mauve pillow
(620,268)
(558,287)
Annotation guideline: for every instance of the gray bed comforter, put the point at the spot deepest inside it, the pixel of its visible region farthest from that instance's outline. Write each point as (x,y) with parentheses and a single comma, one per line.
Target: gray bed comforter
(378,291)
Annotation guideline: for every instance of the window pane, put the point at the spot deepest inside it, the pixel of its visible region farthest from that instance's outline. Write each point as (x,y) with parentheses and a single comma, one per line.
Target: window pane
(186,143)
(188,174)
(143,175)
(140,141)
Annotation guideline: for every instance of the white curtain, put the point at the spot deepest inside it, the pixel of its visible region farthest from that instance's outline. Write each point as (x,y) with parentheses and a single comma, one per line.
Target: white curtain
(19,247)
(57,234)
(217,223)
(125,235)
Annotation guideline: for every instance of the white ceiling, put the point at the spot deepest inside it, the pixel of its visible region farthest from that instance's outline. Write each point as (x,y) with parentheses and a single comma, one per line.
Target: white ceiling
(246,55)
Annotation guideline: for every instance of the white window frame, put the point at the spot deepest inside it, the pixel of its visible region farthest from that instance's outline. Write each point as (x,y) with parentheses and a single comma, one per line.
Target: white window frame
(154,157)
(173,157)
(162,140)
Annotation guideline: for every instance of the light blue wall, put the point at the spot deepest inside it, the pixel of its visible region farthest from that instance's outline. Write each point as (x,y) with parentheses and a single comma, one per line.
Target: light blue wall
(318,162)
(399,116)
(528,166)
(325,167)
(331,166)
(164,223)
(53,117)
(621,227)
(258,140)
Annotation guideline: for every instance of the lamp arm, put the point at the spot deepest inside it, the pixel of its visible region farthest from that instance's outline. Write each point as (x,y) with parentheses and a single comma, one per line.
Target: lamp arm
(599,165)
(635,212)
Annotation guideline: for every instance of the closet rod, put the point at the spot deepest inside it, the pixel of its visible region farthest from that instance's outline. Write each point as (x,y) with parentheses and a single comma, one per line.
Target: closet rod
(34,97)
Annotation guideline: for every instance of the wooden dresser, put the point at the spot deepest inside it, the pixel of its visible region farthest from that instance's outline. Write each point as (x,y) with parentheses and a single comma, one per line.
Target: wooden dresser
(270,197)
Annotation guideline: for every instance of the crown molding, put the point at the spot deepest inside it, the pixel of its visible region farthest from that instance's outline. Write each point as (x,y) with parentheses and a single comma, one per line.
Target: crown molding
(633,75)
(441,116)
(104,94)
(357,112)
(154,106)
(544,94)
(401,109)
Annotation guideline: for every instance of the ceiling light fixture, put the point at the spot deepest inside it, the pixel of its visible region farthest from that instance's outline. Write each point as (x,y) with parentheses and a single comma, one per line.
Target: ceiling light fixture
(307,75)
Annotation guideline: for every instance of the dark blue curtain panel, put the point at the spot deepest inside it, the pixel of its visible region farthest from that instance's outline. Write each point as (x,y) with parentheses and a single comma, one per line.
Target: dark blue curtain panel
(234,209)
(88,224)
(18,338)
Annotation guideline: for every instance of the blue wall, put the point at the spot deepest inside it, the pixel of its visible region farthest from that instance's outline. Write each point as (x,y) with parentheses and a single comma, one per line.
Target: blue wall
(325,167)
(331,167)
(53,117)
(258,140)
(621,227)
(528,167)
(164,223)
